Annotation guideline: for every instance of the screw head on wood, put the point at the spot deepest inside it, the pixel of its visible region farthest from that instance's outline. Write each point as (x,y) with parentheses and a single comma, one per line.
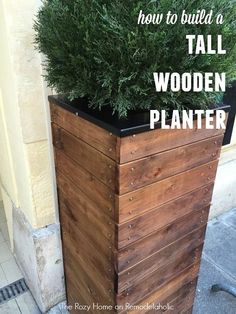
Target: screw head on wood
(76,113)
(214,154)
(134,135)
(131,199)
(110,149)
(130,226)
(132,169)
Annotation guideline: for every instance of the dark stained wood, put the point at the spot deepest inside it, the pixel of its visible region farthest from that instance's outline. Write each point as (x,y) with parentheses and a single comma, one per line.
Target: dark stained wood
(157,218)
(142,172)
(158,278)
(98,192)
(90,289)
(80,228)
(138,272)
(86,156)
(159,140)
(156,194)
(189,311)
(158,296)
(133,212)
(171,303)
(139,250)
(78,260)
(88,132)
(183,300)
(83,210)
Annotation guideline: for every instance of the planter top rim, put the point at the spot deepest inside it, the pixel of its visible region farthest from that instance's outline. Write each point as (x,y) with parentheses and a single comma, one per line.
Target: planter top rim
(137,122)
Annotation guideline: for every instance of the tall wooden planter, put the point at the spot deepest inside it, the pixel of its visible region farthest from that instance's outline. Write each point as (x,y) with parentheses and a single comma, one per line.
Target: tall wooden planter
(133,210)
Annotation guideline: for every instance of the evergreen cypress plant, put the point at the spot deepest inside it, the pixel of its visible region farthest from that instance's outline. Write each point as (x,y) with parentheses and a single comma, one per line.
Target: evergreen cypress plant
(96,49)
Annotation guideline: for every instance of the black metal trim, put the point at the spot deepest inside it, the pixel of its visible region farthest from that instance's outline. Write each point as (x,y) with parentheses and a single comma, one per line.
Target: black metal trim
(136,122)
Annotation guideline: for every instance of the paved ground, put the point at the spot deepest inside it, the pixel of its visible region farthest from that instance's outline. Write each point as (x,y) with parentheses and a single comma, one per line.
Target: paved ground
(10,272)
(218,266)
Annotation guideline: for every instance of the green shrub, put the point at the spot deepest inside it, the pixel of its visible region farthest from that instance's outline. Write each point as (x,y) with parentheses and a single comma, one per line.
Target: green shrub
(96,49)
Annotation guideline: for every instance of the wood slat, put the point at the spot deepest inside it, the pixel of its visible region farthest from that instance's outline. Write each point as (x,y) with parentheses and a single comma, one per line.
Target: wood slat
(138,272)
(142,172)
(97,192)
(188,311)
(86,156)
(91,257)
(103,281)
(159,140)
(83,281)
(88,132)
(171,303)
(157,218)
(80,229)
(158,296)
(75,292)
(158,278)
(183,300)
(83,210)
(156,194)
(139,250)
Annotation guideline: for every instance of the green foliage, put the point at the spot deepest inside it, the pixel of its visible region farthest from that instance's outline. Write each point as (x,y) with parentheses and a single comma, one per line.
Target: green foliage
(96,49)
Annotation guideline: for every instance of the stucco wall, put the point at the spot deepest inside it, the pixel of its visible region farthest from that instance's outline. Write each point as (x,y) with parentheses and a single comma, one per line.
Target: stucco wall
(26,163)
(25,169)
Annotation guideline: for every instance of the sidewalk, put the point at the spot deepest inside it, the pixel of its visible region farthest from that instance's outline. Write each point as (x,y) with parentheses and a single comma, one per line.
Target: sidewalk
(218,266)
(9,273)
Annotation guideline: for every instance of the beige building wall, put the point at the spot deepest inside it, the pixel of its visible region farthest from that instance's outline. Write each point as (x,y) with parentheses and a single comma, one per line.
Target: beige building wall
(23,117)
(26,167)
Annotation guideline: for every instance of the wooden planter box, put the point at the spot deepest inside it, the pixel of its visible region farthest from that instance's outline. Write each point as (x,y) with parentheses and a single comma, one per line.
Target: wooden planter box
(133,209)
